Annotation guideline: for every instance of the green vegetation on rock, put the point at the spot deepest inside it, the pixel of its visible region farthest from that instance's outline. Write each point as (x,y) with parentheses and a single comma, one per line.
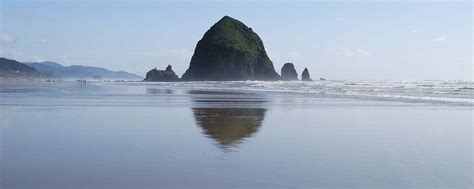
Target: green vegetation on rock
(230,50)
(231,33)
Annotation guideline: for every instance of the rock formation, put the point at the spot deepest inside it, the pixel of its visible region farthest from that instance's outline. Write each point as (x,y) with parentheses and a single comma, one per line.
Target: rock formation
(305,75)
(162,75)
(288,72)
(230,50)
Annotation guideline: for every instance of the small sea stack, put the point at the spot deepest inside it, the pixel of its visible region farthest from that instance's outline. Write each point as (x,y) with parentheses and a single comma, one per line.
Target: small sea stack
(167,75)
(305,75)
(288,72)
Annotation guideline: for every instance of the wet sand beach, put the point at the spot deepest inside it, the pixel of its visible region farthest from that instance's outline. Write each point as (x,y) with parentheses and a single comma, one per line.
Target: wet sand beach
(230,135)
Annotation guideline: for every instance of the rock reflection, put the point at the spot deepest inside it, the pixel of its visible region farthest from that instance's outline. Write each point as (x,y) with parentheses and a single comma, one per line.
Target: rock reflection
(228,126)
(228,117)
(158,91)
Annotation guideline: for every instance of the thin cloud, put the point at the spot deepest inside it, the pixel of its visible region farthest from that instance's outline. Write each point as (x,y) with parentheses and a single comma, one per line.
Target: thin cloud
(363,52)
(347,52)
(6,38)
(440,38)
(360,52)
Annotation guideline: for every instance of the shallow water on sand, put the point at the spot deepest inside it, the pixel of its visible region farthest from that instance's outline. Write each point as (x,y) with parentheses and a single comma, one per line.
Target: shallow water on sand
(213,135)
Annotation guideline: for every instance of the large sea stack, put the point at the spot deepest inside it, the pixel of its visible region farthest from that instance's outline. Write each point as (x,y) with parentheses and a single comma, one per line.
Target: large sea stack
(230,50)
(167,75)
(288,72)
(305,75)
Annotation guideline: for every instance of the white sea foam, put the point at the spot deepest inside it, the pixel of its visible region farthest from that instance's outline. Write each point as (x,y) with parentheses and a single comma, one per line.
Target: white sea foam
(452,92)
(459,92)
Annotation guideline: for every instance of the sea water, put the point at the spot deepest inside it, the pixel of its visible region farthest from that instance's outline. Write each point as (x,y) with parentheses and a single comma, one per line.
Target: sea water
(249,134)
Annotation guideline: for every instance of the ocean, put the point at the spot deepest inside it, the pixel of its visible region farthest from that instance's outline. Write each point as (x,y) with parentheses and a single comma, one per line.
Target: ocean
(248,134)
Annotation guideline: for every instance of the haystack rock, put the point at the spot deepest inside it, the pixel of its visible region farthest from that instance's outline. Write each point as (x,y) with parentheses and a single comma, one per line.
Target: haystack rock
(167,75)
(288,72)
(230,50)
(305,75)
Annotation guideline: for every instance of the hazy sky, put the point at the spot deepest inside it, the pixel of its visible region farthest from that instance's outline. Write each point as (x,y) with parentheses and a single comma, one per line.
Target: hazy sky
(337,40)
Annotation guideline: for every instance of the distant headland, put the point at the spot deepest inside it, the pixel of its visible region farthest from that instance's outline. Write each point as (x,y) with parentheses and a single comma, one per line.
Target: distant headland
(12,69)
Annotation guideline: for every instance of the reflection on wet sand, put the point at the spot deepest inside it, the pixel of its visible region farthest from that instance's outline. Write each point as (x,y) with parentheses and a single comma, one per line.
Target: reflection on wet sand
(228,126)
(158,91)
(220,120)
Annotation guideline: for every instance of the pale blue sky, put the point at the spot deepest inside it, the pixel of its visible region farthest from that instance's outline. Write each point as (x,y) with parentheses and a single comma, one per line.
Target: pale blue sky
(336,40)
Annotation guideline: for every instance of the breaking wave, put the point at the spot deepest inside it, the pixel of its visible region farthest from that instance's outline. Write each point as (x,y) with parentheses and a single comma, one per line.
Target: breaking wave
(459,92)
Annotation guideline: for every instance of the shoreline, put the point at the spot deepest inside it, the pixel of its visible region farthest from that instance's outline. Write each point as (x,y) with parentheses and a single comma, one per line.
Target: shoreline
(419,92)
